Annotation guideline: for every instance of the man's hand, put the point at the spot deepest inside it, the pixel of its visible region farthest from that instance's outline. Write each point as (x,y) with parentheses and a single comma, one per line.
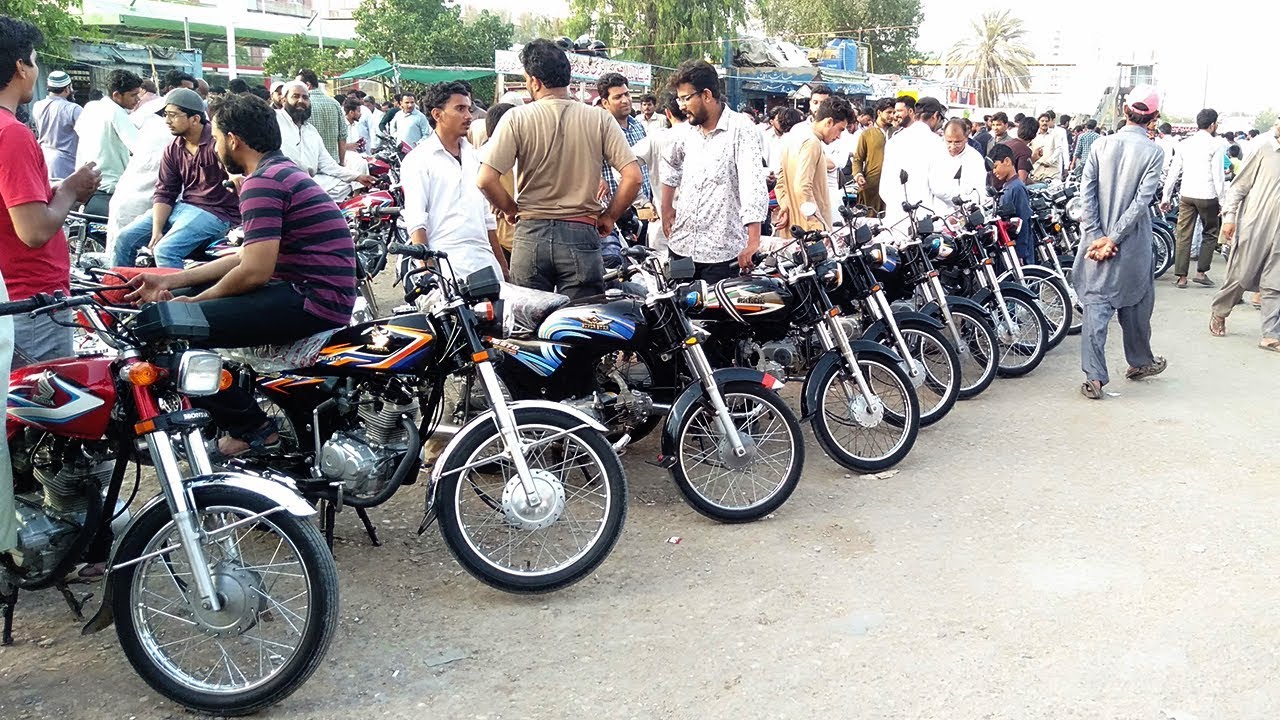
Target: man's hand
(605,224)
(1165,206)
(149,287)
(667,223)
(83,183)
(781,217)
(1228,233)
(602,193)
(366,180)
(745,257)
(861,180)
(1102,249)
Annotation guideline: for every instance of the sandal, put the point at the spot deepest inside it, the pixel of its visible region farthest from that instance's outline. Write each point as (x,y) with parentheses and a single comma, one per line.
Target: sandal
(1147,371)
(1205,281)
(1091,389)
(1273,346)
(259,443)
(1181,283)
(1217,325)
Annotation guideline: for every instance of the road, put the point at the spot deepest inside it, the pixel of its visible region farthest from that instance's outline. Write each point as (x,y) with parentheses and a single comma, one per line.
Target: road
(1037,556)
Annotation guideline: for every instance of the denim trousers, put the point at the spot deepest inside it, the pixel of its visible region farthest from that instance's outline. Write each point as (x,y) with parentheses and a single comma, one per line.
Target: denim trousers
(189,228)
(558,256)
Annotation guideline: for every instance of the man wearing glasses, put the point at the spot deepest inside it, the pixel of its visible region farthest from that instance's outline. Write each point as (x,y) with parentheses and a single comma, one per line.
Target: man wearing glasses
(190,168)
(713,196)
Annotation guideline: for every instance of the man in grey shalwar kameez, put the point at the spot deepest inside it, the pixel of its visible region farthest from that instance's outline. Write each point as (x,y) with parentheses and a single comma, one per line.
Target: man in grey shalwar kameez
(1253,203)
(1113,267)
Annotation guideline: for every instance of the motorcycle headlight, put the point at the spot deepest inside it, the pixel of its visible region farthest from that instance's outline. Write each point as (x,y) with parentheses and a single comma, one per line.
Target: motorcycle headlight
(199,373)
(1075,209)
(832,274)
(884,257)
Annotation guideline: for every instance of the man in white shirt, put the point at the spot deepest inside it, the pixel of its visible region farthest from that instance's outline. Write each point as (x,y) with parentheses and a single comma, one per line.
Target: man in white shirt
(960,171)
(1169,144)
(1199,163)
(443,207)
(107,136)
(359,137)
(651,150)
(409,125)
(913,148)
(1046,166)
(652,119)
(301,143)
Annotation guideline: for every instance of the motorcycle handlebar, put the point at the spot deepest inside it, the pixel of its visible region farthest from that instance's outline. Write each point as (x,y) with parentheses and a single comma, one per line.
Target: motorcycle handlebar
(18,307)
(418,252)
(386,212)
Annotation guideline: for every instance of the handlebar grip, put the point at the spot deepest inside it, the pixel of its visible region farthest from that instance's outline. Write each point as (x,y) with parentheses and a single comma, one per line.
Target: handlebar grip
(17,307)
(419,252)
(386,212)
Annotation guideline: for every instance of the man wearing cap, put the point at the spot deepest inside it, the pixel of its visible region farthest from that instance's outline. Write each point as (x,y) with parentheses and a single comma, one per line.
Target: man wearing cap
(190,168)
(1113,267)
(55,119)
(277,95)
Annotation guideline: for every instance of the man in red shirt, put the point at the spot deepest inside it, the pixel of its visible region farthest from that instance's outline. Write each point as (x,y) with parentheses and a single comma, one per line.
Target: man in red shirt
(33,250)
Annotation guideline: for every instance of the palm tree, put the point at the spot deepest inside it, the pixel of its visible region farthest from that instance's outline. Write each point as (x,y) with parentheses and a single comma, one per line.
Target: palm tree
(994,60)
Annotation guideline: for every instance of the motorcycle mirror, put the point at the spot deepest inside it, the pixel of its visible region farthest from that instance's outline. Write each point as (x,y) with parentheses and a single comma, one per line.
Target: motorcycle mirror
(809,209)
(990,164)
(682,269)
(903,176)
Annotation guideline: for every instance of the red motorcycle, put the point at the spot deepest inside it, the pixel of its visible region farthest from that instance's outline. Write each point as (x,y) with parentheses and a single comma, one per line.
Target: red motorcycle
(224,596)
(373,218)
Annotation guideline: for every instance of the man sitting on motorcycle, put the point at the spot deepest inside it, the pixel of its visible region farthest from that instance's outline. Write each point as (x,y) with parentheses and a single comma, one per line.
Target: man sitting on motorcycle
(294,276)
(189,168)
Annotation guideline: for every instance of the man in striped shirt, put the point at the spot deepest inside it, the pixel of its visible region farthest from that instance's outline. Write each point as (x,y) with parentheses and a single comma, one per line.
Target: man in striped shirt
(298,261)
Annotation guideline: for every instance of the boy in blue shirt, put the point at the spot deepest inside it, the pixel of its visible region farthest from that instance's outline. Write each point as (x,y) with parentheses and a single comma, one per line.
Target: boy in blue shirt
(1014,200)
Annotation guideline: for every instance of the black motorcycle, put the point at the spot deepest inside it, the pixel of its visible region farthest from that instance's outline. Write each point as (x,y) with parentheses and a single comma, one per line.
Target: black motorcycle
(733,446)
(530,495)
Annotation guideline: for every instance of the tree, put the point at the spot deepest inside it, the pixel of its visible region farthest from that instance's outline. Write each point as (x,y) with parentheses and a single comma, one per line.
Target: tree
(54,19)
(295,52)
(662,33)
(892,49)
(1265,121)
(994,60)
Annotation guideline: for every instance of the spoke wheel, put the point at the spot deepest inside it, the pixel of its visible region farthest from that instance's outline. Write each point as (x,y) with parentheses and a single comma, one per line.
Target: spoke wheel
(860,436)
(1022,343)
(977,351)
(279,592)
(539,538)
(939,388)
(723,485)
(1055,302)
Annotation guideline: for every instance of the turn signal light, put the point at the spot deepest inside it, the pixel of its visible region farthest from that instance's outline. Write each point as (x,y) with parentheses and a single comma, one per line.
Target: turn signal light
(484,311)
(143,374)
(225,381)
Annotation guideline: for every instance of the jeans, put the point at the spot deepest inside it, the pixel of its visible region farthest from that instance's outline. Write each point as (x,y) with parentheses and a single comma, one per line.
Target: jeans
(240,322)
(40,338)
(711,273)
(189,229)
(8,516)
(558,256)
(1189,209)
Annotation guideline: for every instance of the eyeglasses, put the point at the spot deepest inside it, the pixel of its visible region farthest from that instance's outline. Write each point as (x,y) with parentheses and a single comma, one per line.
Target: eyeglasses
(684,99)
(173,115)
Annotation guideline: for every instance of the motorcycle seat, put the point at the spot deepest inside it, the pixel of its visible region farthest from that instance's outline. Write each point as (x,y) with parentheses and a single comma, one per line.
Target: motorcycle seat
(280,358)
(524,308)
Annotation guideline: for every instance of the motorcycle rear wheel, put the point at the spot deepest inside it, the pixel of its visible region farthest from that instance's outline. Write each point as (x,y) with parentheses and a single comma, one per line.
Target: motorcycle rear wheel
(940,388)
(276,576)
(1055,301)
(499,538)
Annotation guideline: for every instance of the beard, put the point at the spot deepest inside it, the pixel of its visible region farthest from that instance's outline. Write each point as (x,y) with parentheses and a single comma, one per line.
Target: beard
(228,162)
(298,113)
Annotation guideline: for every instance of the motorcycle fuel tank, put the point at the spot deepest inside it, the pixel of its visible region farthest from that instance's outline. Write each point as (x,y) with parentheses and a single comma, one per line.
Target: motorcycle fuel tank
(403,344)
(745,299)
(71,397)
(616,321)
(360,206)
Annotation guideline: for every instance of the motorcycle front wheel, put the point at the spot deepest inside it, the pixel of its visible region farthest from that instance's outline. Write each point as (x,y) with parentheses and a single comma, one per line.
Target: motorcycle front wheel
(1055,302)
(853,432)
(977,351)
(279,590)
(541,539)
(717,482)
(938,387)
(1022,344)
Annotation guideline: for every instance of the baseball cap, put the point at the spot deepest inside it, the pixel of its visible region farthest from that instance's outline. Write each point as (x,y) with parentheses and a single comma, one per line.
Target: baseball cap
(182,97)
(58,80)
(277,86)
(1144,99)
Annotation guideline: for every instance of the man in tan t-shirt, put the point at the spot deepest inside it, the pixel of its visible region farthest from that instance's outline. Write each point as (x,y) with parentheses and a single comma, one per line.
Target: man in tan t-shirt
(802,176)
(558,144)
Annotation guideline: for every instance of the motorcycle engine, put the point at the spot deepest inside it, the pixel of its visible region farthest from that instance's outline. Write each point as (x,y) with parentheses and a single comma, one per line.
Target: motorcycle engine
(611,408)
(363,459)
(49,518)
(780,358)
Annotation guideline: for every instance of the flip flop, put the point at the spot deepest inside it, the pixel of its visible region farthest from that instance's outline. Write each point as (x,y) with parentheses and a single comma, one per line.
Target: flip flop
(1091,391)
(1181,283)
(1270,346)
(1147,371)
(1203,281)
(1217,326)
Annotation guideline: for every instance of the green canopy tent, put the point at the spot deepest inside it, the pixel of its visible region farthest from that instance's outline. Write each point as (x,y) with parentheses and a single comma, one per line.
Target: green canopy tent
(378,68)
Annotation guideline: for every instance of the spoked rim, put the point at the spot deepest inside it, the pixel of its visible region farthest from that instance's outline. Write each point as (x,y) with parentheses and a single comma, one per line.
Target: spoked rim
(706,455)
(504,529)
(976,354)
(1052,302)
(841,399)
(265,585)
(1027,340)
(938,379)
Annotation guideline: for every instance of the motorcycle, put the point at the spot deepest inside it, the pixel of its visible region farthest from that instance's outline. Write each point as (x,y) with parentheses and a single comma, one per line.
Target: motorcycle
(373,218)
(1048,287)
(1050,227)
(859,399)
(530,495)
(223,595)
(732,445)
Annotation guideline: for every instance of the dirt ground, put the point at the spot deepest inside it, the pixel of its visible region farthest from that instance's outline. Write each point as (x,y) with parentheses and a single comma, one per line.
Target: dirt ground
(1037,556)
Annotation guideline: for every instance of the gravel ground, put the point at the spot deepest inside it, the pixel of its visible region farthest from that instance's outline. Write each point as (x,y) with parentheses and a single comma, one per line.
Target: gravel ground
(1037,556)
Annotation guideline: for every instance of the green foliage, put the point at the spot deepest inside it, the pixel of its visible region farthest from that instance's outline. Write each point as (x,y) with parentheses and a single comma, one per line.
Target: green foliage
(994,60)
(296,51)
(658,32)
(892,49)
(54,19)
(1265,121)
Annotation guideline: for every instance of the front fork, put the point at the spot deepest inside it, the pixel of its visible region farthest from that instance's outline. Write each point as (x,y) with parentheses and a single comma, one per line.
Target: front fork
(506,422)
(833,337)
(701,367)
(989,273)
(882,310)
(934,292)
(182,504)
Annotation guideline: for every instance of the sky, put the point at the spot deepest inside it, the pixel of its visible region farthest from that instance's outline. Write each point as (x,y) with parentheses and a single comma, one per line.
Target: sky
(1233,44)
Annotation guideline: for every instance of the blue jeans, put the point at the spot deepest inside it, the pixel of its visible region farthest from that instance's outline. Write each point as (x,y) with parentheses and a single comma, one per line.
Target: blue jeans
(558,256)
(188,230)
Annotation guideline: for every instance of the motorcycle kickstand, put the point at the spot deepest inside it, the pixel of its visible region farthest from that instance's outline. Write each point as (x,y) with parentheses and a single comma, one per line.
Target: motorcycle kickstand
(76,604)
(330,518)
(7,602)
(368,526)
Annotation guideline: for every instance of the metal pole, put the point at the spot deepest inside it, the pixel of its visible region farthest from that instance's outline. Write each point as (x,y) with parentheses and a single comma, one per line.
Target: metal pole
(232,72)
(186,32)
